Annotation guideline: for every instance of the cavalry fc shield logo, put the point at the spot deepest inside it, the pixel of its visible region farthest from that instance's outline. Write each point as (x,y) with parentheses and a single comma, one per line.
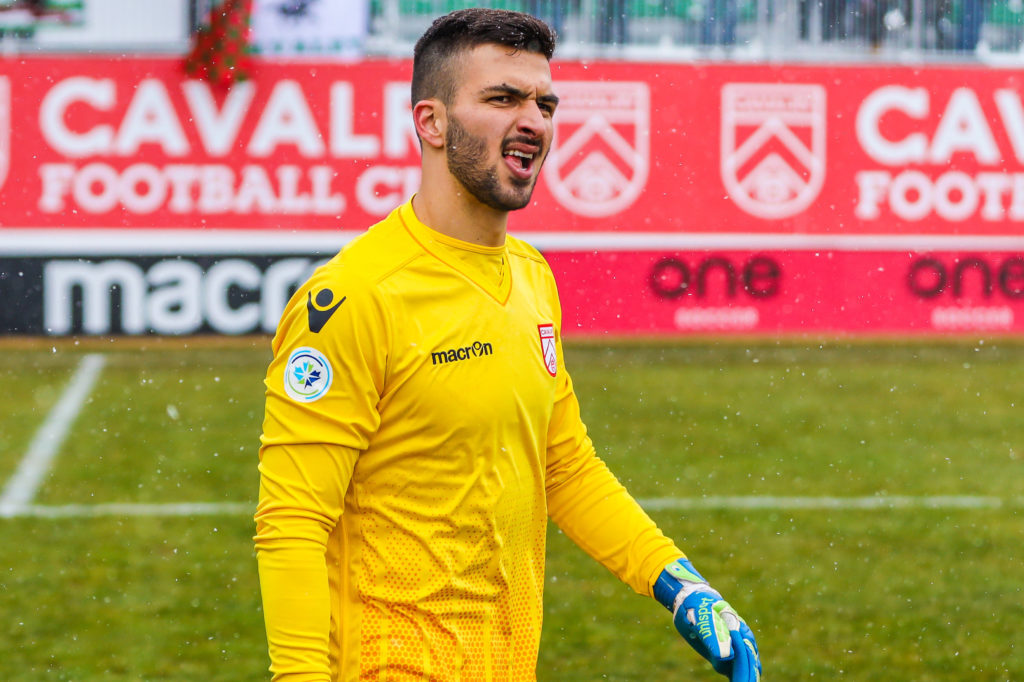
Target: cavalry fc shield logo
(599,161)
(773,146)
(547,347)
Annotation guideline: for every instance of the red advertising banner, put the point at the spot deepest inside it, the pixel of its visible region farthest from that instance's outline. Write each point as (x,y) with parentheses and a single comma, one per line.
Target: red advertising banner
(829,292)
(664,148)
(686,197)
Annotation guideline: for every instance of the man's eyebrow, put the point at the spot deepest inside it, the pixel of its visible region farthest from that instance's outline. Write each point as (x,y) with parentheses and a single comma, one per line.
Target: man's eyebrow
(550,99)
(505,88)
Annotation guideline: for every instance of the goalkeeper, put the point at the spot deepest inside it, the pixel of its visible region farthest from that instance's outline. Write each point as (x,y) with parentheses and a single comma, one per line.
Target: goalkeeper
(420,425)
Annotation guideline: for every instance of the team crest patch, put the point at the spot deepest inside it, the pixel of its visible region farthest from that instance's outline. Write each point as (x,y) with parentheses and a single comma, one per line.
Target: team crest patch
(547,347)
(308,375)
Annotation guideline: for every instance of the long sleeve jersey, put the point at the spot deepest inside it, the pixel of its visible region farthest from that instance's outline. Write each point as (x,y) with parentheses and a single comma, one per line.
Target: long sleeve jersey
(420,428)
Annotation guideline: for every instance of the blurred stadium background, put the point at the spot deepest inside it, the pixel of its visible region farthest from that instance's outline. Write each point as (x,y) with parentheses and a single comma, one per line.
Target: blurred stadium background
(755,29)
(787,235)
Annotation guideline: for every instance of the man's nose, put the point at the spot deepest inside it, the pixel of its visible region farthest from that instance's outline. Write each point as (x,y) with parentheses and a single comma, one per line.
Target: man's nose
(531,119)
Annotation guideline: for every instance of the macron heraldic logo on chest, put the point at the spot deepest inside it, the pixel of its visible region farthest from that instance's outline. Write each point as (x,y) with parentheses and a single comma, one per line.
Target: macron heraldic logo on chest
(321,308)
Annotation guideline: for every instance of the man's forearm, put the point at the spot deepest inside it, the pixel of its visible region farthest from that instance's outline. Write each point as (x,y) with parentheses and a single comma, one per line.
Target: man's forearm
(296,609)
(293,523)
(599,515)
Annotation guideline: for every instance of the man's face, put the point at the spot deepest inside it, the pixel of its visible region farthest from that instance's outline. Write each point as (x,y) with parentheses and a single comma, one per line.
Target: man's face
(499,124)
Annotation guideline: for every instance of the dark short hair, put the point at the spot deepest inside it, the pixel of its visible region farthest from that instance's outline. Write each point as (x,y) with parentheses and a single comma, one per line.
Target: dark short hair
(439,48)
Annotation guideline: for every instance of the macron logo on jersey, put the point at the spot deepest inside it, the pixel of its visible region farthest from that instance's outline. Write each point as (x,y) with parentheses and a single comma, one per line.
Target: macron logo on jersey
(320,309)
(477,349)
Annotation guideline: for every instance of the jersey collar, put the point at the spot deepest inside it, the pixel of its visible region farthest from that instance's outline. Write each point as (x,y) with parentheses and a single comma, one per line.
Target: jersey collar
(440,245)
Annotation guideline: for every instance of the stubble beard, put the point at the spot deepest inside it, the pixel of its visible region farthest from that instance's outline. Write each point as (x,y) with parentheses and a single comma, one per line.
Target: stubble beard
(467,162)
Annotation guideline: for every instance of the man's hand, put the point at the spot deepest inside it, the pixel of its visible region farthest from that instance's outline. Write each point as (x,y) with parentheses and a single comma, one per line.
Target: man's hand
(708,623)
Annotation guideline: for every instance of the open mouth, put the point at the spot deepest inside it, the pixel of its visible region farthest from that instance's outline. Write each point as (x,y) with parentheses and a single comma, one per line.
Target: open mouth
(520,160)
(524,158)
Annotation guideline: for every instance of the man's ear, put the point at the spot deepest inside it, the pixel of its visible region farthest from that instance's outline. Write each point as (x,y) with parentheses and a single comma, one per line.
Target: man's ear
(430,119)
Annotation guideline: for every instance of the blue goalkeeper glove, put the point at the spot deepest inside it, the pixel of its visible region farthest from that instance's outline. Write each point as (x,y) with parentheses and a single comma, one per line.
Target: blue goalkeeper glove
(708,623)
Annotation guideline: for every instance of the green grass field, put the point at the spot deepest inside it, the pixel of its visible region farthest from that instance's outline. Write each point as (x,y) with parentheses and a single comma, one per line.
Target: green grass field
(861,504)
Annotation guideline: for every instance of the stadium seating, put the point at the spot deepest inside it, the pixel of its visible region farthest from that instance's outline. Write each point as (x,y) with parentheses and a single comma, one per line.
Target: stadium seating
(772,25)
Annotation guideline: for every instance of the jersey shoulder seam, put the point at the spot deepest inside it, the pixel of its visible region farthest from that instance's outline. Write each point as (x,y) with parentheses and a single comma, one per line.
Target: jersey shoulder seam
(397,267)
(517,247)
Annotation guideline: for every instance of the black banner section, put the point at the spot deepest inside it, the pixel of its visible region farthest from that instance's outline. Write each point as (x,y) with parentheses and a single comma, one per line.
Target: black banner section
(132,295)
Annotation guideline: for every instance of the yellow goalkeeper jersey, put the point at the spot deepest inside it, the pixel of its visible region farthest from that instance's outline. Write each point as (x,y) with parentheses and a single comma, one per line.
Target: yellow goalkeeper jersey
(420,428)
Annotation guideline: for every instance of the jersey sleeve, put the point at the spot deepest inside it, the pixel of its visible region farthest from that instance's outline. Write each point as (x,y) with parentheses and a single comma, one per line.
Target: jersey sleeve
(590,505)
(322,390)
(329,364)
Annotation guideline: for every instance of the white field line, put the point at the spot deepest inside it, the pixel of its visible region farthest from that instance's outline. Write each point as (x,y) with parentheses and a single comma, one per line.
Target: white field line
(22,486)
(129,509)
(871,502)
(738,502)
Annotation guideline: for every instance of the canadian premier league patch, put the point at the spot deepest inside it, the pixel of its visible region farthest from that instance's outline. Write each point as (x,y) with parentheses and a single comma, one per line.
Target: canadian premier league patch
(308,375)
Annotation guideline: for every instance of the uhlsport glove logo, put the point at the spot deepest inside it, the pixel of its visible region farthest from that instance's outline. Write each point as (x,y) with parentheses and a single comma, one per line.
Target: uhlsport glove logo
(708,623)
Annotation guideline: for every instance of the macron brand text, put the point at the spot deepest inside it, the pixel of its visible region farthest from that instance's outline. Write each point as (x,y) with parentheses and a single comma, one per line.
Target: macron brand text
(475,350)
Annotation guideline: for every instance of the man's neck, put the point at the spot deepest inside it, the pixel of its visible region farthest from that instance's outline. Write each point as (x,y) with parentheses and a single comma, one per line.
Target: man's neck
(462,217)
